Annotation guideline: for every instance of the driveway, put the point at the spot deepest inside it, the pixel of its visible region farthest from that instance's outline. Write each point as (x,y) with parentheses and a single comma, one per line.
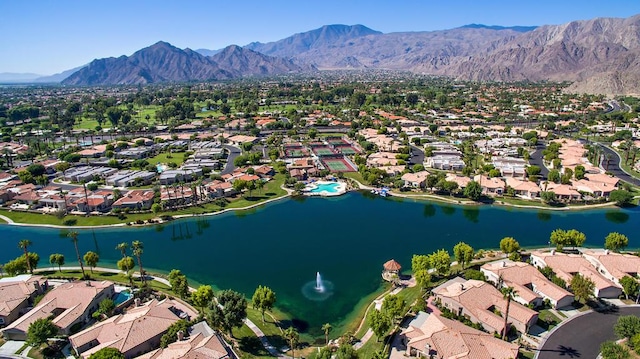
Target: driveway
(10,347)
(233,153)
(417,155)
(536,160)
(582,336)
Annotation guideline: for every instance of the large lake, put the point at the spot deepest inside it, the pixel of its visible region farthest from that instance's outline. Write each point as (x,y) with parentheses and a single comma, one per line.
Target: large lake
(347,239)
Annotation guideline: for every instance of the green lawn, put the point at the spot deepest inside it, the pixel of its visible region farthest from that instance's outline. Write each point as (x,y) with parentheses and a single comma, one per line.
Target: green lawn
(166,157)
(250,344)
(112,277)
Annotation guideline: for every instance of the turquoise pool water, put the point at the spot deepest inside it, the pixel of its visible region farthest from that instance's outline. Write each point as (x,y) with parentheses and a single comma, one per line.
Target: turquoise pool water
(328,187)
(121,297)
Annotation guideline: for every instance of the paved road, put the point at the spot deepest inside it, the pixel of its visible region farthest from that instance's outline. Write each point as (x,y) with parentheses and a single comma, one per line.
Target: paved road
(614,166)
(582,336)
(536,159)
(417,156)
(233,153)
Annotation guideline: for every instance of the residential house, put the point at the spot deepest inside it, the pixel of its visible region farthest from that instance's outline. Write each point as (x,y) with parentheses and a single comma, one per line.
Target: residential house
(462,181)
(128,178)
(482,303)
(69,304)
(510,166)
(613,266)
(198,344)
(523,188)
(133,333)
(433,336)
(490,185)
(17,295)
(180,175)
(531,286)
(564,192)
(379,159)
(566,266)
(218,189)
(415,180)
(136,199)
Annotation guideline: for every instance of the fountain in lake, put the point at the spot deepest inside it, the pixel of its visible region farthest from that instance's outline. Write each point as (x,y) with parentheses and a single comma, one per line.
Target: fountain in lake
(318,290)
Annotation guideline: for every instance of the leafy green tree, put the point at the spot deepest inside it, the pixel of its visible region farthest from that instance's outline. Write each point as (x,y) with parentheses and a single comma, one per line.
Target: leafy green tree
(420,262)
(627,326)
(41,330)
(441,261)
(509,245)
(562,238)
(380,323)
(554,176)
(202,297)
(19,265)
(179,283)
(171,335)
(91,258)
(293,337)
(615,241)
(126,264)
(58,259)
(24,245)
(107,353)
(346,352)
(423,278)
(629,285)
(463,253)
(393,306)
(263,299)
(231,311)
(621,197)
(612,350)
(548,197)
(473,191)
(105,307)
(582,287)
(326,328)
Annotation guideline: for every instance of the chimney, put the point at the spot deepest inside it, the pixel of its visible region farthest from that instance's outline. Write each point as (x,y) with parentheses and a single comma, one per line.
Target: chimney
(461,286)
(504,264)
(180,335)
(88,283)
(553,251)
(606,252)
(137,302)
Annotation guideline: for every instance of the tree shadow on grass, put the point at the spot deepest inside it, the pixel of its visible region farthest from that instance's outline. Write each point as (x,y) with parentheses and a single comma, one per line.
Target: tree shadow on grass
(253,346)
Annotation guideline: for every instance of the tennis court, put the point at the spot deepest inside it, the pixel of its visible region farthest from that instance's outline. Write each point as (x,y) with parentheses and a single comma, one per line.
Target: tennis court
(337,142)
(347,150)
(292,153)
(337,165)
(323,151)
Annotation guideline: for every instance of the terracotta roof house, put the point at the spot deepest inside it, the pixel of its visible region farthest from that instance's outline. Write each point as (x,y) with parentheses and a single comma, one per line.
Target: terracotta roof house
(532,286)
(613,266)
(69,304)
(567,265)
(564,192)
(17,294)
(136,332)
(136,199)
(415,180)
(480,301)
(198,345)
(524,188)
(490,186)
(462,181)
(433,336)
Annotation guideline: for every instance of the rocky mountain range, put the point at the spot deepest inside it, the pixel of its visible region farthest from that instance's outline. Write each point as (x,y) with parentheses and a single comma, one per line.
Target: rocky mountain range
(163,62)
(599,56)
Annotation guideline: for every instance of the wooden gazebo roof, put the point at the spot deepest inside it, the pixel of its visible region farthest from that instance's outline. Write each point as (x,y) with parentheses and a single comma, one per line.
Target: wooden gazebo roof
(392,265)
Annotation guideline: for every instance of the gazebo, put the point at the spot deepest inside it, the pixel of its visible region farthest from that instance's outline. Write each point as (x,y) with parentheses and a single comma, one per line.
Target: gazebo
(391,270)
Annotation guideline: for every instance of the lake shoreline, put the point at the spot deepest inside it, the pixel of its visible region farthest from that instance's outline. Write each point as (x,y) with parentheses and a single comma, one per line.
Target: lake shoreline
(420,197)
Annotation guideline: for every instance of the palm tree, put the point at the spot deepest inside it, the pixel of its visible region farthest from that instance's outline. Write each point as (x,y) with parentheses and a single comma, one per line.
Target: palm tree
(74,238)
(326,327)
(292,335)
(122,247)
(507,293)
(24,245)
(137,251)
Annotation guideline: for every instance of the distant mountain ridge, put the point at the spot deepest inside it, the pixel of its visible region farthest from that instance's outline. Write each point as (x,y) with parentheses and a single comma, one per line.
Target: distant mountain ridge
(163,62)
(598,55)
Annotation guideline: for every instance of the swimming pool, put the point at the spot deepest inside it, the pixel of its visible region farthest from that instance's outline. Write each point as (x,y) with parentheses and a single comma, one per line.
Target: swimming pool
(121,297)
(331,187)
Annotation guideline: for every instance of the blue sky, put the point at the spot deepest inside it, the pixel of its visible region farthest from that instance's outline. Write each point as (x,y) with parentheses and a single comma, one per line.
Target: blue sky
(49,36)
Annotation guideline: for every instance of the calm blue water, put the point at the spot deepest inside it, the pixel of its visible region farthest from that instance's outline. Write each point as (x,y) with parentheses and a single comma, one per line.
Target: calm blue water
(347,239)
(328,187)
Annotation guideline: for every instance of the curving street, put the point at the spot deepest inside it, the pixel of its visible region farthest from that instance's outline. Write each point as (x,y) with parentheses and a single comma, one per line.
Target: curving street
(614,166)
(581,337)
